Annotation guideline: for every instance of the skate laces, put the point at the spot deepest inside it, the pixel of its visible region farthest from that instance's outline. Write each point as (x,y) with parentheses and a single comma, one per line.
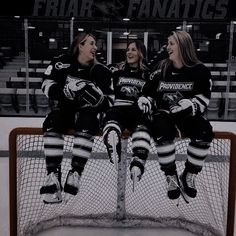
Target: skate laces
(112,134)
(135,172)
(172,182)
(53,179)
(73,179)
(190,180)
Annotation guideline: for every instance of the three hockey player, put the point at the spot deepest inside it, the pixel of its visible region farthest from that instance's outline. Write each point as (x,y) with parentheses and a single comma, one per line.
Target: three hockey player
(171,100)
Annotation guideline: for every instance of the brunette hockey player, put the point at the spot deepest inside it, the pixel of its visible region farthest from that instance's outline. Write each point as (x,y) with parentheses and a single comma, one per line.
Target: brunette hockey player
(129,78)
(81,86)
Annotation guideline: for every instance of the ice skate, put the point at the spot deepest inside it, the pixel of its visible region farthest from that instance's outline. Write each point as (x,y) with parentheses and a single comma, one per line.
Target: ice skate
(52,189)
(113,144)
(72,183)
(187,180)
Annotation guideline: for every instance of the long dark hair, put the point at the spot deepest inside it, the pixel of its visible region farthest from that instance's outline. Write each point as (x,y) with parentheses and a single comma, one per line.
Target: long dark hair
(142,52)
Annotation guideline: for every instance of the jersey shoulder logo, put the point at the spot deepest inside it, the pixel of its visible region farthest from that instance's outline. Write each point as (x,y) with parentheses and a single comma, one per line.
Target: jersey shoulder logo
(59,65)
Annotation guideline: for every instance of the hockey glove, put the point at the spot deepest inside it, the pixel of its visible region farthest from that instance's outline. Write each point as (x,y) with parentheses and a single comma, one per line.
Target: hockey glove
(89,96)
(185,106)
(106,103)
(72,86)
(144,104)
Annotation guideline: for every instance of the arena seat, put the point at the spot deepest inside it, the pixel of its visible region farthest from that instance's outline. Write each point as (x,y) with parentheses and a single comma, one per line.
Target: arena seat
(215,75)
(224,75)
(22,72)
(221,86)
(232,106)
(35,63)
(220,66)
(46,63)
(7,53)
(39,72)
(20,82)
(21,94)
(209,65)
(44,104)
(8,101)
(213,109)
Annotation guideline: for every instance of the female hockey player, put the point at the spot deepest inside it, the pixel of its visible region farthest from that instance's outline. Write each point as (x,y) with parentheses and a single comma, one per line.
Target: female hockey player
(81,87)
(128,80)
(181,89)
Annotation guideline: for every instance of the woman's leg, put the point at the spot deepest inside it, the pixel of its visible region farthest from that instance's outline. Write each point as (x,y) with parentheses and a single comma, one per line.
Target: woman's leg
(164,135)
(54,128)
(87,125)
(199,130)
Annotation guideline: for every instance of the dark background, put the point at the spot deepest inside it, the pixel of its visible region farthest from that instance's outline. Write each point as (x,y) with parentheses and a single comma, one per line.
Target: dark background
(25,7)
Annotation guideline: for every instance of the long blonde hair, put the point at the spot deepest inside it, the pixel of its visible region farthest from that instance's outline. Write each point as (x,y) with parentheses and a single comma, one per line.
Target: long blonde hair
(187,51)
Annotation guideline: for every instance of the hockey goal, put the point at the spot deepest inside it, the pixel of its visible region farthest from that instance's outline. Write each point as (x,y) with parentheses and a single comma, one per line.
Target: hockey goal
(106,199)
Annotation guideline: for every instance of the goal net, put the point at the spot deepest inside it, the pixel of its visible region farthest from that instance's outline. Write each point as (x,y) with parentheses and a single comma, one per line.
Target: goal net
(106,197)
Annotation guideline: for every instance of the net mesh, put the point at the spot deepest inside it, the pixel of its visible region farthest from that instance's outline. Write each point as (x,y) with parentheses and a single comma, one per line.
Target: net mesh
(106,198)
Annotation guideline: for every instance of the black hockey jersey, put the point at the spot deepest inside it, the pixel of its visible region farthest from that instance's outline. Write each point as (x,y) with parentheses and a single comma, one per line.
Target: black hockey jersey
(128,84)
(65,66)
(187,82)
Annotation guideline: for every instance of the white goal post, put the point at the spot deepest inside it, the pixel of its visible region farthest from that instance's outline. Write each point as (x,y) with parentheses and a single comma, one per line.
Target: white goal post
(106,198)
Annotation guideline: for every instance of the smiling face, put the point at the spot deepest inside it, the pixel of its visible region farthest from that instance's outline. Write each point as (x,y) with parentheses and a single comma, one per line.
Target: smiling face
(132,55)
(173,50)
(87,50)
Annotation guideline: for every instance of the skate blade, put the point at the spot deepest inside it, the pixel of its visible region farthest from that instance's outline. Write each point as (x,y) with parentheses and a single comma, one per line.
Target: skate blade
(114,153)
(134,177)
(52,198)
(135,181)
(184,196)
(67,197)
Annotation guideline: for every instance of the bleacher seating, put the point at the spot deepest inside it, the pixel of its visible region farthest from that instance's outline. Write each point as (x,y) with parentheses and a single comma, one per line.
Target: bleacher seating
(220,66)
(221,86)
(20,82)
(35,63)
(2,62)
(13,90)
(8,101)
(43,103)
(38,63)
(37,101)
(215,107)
(232,106)
(33,72)
(21,94)
(7,53)
(39,72)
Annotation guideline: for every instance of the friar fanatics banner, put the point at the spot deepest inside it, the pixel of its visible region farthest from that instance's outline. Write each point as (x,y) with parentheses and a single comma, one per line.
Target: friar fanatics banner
(143,9)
